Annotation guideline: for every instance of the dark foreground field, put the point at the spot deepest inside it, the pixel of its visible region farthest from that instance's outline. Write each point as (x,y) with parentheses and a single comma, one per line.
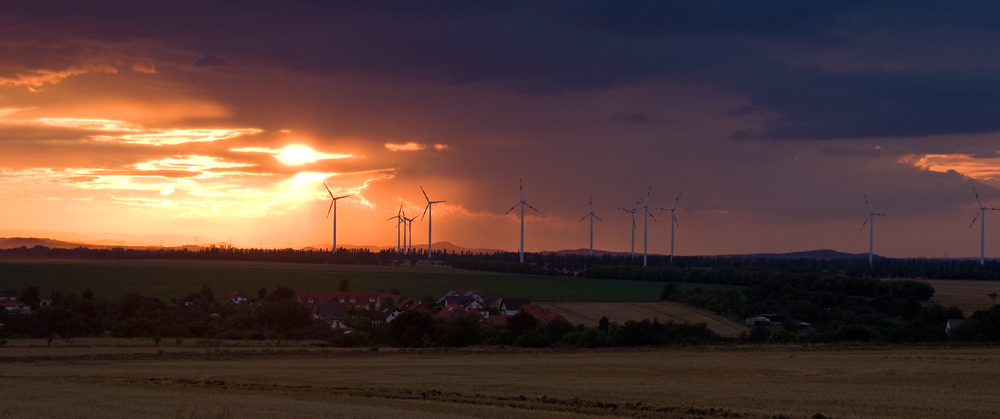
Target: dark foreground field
(790,382)
(173,279)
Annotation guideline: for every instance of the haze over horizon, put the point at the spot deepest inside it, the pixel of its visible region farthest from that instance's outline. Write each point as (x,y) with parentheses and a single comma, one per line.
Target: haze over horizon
(775,120)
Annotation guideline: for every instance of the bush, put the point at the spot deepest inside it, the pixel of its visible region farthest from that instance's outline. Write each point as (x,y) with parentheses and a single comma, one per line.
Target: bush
(784,336)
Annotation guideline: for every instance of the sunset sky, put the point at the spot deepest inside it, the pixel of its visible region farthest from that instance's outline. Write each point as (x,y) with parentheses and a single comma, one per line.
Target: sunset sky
(222,119)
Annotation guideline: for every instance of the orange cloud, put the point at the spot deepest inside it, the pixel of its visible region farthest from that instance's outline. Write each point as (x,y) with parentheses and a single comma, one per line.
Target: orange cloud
(411,146)
(179,136)
(984,169)
(293,155)
(38,78)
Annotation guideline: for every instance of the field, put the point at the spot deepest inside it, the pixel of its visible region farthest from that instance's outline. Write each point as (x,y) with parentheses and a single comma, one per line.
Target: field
(714,382)
(173,279)
(589,313)
(970,296)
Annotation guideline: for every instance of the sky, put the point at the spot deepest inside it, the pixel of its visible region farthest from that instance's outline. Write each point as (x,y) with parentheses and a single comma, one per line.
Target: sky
(772,120)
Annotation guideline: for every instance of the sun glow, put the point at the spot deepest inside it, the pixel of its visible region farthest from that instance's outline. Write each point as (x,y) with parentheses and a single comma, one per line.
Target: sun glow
(295,155)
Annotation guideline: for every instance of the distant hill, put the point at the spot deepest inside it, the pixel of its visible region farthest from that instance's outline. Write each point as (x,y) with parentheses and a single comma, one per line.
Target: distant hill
(15,242)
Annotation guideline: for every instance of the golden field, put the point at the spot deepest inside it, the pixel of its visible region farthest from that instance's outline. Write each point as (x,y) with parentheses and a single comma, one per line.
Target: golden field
(970,296)
(711,382)
(589,314)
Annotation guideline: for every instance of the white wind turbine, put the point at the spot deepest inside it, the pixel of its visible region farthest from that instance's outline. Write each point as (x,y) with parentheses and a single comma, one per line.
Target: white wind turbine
(333,206)
(673,222)
(522,204)
(645,226)
(871,230)
(405,221)
(592,217)
(427,210)
(399,220)
(632,211)
(982,225)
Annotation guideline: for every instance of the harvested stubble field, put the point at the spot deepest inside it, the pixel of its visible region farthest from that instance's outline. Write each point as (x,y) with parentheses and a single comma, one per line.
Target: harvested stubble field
(175,278)
(713,382)
(589,313)
(970,296)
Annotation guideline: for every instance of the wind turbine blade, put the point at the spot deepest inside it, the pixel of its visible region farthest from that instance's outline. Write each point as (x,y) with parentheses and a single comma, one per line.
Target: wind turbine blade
(425,194)
(598,218)
(529,206)
(675,201)
(328,211)
(651,215)
(512,208)
(866,222)
(975,218)
(341,197)
(584,218)
(675,222)
(328,189)
(867,204)
(437,202)
(425,211)
(392,218)
(977,197)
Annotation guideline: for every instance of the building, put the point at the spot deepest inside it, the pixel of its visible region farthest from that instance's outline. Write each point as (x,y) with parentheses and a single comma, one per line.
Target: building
(952,324)
(15,307)
(232,299)
(365,299)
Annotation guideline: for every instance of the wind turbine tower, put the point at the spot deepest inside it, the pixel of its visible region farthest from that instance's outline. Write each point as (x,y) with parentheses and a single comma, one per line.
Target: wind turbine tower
(871,230)
(427,210)
(522,204)
(645,226)
(409,223)
(333,206)
(632,211)
(399,220)
(673,222)
(982,226)
(592,217)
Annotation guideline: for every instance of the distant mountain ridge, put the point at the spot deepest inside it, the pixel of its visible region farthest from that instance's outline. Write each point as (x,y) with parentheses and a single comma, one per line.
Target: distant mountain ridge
(822,254)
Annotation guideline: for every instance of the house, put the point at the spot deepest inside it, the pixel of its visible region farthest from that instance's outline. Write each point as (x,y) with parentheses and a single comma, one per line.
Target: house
(461,292)
(497,319)
(542,313)
(759,320)
(513,305)
(386,315)
(467,302)
(44,302)
(450,311)
(15,307)
(7,295)
(332,313)
(495,304)
(349,298)
(232,299)
(952,324)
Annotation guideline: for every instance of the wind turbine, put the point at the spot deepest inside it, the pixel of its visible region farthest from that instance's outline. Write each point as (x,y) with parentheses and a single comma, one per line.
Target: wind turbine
(645,225)
(632,211)
(592,217)
(409,223)
(982,225)
(427,210)
(871,229)
(333,206)
(522,204)
(399,220)
(673,222)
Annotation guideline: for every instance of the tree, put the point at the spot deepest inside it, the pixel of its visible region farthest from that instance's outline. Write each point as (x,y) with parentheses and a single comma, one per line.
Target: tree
(603,324)
(31,296)
(88,294)
(206,292)
(262,292)
(994,296)
(345,284)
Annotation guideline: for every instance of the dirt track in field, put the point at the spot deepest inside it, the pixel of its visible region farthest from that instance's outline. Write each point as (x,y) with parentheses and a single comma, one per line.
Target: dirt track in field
(590,313)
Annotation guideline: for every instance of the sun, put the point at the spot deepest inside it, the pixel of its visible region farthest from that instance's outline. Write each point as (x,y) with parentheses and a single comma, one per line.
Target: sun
(297,154)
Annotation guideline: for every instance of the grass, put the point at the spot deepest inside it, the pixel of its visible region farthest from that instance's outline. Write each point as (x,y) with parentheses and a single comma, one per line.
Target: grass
(711,382)
(173,279)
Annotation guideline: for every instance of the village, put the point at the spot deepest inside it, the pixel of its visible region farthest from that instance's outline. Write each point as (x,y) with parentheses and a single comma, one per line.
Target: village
(333,307)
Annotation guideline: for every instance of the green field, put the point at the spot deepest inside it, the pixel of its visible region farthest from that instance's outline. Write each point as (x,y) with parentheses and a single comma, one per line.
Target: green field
(174,279)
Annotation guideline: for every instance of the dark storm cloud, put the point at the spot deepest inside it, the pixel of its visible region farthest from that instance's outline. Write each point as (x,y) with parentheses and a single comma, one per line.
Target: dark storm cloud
(558,47)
